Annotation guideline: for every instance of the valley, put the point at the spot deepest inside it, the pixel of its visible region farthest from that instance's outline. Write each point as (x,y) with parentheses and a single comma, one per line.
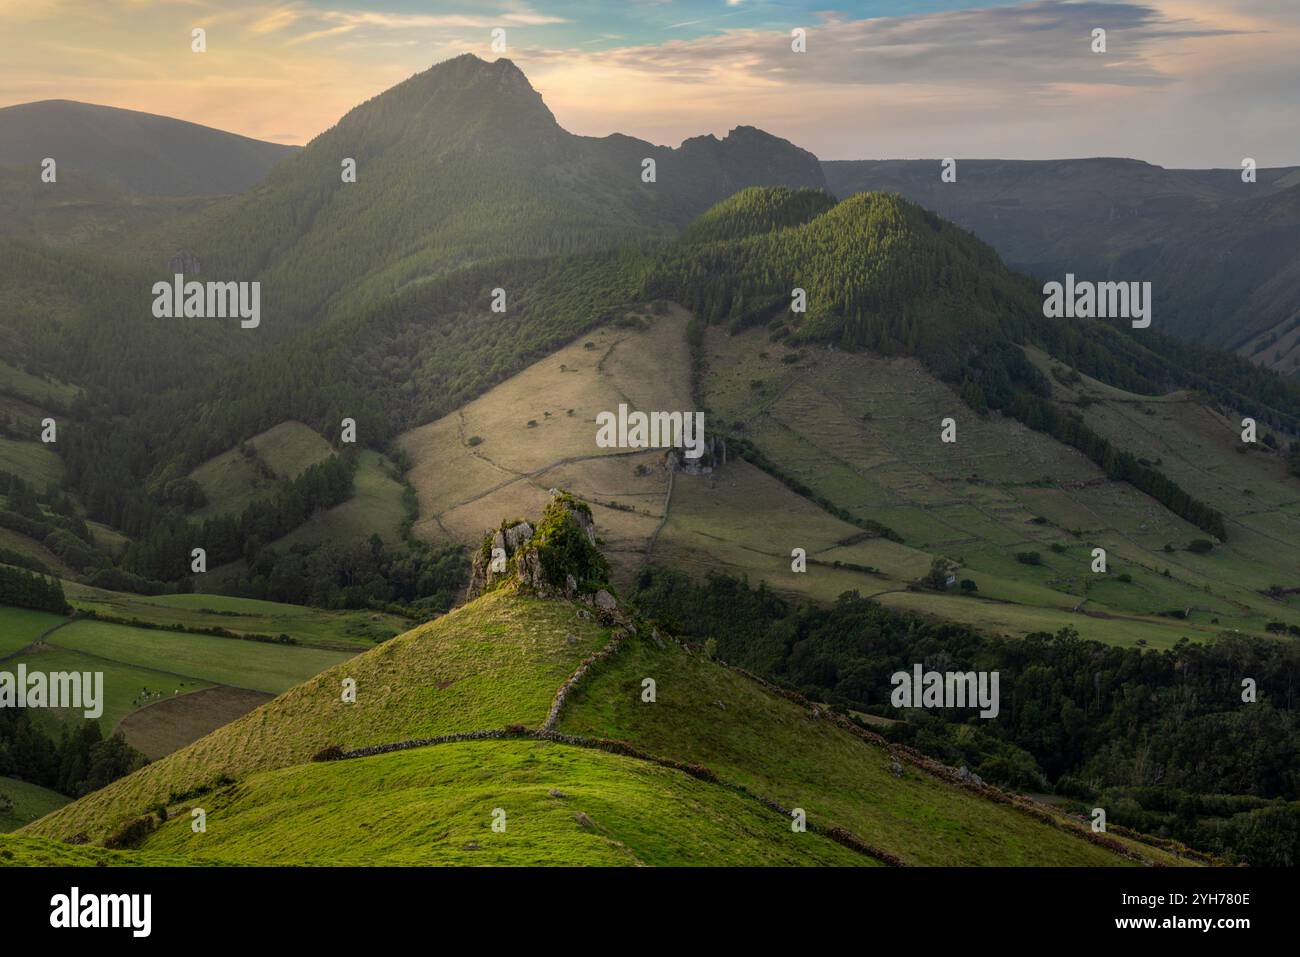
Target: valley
(905,461)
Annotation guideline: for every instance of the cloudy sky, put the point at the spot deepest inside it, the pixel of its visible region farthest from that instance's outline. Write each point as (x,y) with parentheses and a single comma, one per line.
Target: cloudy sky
(1192,83)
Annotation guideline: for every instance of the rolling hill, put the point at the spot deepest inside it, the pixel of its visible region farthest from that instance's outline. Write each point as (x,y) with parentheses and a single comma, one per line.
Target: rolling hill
(524,706)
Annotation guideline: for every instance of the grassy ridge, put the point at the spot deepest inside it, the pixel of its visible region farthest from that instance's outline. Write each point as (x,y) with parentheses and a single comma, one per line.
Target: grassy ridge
(497,662)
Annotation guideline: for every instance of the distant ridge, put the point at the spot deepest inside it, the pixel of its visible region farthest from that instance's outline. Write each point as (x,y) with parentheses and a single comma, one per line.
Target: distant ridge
(1221,254)
(139,152)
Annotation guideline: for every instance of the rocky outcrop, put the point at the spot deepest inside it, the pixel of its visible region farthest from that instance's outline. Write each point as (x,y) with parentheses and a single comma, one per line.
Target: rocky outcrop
(715,456)
(558,558)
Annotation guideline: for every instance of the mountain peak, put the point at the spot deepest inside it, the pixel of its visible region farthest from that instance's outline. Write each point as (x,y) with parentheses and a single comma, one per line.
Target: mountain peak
(469,71)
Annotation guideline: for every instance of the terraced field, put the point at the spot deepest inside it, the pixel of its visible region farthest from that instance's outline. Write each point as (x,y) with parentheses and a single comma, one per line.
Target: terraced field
(864,433)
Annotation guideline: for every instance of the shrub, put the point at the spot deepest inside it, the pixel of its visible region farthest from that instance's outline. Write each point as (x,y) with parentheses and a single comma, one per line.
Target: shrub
(1029,558)
(133,832)
(475,440)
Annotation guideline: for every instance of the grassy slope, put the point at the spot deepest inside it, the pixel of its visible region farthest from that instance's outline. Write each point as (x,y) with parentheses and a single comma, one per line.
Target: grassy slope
(30,802)
(713,716)
(34,462)
(42,392)
(22,851)
(499,661)
(377,507)
(19,627)
(1201,449)
(290,448)
(564,806)
(20,543)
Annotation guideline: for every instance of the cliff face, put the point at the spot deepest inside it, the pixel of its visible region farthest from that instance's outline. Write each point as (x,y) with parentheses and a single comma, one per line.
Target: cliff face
(559,558)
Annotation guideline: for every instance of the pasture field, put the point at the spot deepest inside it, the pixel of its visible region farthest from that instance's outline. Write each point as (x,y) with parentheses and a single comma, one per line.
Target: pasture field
(31,461)
(168,724)
(863,433)
(253,665)
(127,687)
(30,801)
(234,480)
(19,627)
(311,627)
(377,507)
(290,448)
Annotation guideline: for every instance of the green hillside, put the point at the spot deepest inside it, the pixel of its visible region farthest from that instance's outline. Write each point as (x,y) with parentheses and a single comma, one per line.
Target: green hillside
(844,428)
(782,748)
(564,807)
